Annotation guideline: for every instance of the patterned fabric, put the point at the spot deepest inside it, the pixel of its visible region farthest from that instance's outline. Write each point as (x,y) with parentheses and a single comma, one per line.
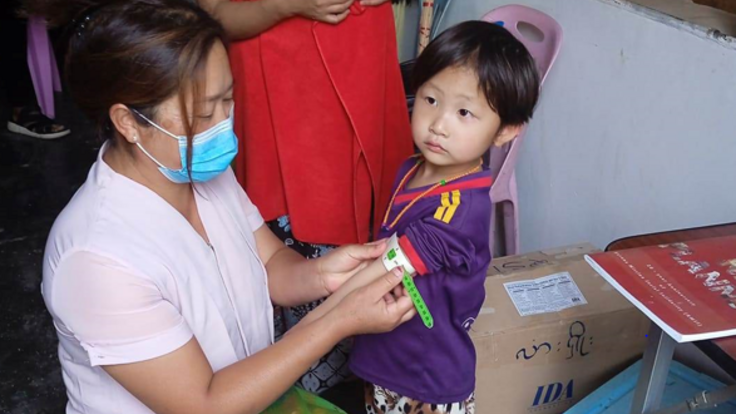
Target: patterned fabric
(332,368)
(379,400)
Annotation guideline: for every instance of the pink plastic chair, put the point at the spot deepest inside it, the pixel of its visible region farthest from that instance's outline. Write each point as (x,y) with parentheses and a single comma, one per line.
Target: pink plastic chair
(542,36)
(42,65)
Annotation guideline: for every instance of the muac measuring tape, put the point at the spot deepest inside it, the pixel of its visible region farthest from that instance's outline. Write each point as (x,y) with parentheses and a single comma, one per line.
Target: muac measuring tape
(395,257)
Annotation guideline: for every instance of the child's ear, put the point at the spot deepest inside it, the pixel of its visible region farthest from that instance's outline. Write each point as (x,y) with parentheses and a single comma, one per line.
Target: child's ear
(506,134)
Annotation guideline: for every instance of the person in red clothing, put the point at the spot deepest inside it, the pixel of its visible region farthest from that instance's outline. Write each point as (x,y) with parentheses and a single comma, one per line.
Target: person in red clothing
(322,117)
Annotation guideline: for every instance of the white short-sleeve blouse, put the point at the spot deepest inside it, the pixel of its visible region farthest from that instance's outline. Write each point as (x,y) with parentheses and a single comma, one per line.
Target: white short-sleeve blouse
(126,279)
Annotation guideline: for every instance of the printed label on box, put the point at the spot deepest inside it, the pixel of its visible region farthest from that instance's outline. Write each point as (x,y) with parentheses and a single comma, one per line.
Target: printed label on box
(547,294)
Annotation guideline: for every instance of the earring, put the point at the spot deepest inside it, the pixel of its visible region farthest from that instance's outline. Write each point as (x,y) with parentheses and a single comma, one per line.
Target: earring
(135,139)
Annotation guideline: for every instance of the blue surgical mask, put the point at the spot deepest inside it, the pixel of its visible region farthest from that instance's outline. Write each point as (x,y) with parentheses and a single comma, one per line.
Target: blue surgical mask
(212,152)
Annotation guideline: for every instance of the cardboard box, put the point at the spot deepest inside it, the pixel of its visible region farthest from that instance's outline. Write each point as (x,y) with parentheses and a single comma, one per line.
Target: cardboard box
(545,363)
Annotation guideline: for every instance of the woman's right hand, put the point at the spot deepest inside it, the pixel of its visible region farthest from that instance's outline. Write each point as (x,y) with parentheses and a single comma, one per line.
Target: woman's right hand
(373,308)
(328,11)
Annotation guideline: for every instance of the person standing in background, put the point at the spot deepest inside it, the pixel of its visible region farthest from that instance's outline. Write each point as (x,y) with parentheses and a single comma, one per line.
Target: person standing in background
(322,115)
(25,117)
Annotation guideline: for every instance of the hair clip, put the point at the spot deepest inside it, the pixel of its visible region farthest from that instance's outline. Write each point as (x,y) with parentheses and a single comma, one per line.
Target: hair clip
(83,25)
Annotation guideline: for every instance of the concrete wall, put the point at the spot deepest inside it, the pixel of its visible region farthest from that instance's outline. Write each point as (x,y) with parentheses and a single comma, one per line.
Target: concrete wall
(635,131)
(408,48)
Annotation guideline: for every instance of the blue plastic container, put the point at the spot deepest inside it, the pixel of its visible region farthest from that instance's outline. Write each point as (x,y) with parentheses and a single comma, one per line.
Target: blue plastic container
(615,396)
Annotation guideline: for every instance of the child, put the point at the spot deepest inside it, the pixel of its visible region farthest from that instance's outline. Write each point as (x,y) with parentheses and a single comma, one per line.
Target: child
(477,86)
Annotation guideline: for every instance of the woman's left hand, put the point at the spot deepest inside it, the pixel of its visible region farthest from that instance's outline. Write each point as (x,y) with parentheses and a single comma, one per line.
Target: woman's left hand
(372,2)
(342,263)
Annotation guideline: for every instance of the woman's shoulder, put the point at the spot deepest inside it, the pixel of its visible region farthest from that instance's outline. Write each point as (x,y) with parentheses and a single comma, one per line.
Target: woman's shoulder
(223,182)
(226,187)
(91,220)
(230,195)
(78,216)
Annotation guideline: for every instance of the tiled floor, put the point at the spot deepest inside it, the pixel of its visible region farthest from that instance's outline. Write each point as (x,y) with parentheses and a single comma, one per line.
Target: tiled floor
(37,178)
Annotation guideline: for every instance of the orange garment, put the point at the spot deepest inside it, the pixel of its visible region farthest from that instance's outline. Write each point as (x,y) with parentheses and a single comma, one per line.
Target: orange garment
(323,122)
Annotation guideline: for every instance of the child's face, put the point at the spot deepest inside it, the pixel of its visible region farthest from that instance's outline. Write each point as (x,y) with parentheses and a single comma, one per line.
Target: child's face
(452,122)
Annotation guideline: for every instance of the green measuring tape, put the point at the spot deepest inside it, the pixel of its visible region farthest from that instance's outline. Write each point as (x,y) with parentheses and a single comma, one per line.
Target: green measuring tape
(416,298)
(393,259)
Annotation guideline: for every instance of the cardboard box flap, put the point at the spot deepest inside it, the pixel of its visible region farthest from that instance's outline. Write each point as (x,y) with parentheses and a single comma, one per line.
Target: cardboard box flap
(600,296)
(513,264)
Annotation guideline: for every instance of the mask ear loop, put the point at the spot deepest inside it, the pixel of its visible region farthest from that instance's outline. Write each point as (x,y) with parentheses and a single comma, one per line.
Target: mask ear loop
(138,143)
(153,124)
(151,156)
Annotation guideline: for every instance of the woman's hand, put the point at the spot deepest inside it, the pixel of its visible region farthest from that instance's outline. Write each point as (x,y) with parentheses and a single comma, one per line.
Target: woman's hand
(328,11)
(342,263)
(372,2)
(183,381)
(373,308)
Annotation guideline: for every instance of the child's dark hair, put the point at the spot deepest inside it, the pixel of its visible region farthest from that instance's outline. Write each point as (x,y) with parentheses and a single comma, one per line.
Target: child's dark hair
(507,74)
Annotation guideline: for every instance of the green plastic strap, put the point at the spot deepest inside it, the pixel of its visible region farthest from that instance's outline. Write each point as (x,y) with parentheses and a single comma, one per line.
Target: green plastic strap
(416,298)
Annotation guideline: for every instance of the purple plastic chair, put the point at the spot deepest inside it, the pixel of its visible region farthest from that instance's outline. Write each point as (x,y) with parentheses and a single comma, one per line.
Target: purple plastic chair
(542,36)
(42,65)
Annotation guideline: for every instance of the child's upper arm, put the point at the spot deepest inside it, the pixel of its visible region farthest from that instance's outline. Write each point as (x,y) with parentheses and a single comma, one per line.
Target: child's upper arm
(451,238)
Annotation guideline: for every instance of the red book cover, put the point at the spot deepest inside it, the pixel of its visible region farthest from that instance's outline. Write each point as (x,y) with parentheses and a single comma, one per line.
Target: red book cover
(688,289)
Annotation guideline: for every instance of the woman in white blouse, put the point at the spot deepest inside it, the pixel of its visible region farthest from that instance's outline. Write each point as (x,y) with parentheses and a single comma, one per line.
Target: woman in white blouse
(159,274)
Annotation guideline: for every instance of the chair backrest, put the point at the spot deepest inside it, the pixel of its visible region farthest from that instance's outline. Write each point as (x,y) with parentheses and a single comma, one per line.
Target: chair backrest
(542,36)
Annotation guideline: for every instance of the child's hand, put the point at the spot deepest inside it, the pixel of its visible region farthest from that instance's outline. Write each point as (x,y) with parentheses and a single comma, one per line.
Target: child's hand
(342,263)
(328,11)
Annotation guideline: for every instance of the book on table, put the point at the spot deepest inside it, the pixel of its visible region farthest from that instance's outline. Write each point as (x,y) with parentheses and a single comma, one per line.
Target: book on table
(688,289)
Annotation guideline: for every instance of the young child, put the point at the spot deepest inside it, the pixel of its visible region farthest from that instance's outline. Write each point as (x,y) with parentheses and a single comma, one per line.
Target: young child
(476,87)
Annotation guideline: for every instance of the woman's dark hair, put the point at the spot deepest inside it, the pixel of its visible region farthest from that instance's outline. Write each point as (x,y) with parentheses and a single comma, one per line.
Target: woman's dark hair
(506,71)
(133,52)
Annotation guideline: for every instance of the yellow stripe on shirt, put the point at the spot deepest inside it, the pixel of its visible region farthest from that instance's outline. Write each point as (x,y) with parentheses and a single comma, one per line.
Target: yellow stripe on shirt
(441,209)
(453,206)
